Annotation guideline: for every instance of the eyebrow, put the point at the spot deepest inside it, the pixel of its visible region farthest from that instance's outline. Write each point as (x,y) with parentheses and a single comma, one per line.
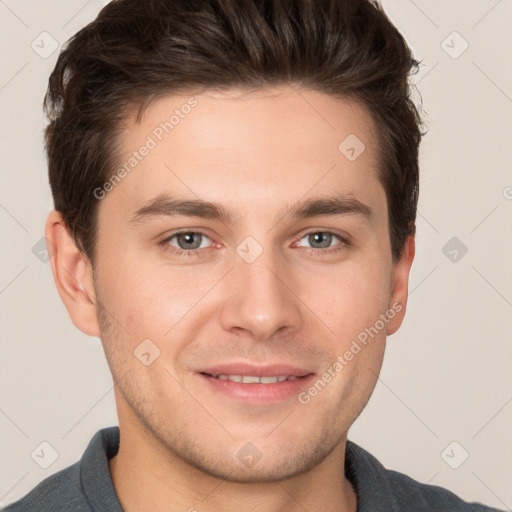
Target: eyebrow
(165,205)
(332,205)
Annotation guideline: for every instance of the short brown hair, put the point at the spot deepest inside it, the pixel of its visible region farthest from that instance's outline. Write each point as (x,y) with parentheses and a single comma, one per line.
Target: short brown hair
(134,51)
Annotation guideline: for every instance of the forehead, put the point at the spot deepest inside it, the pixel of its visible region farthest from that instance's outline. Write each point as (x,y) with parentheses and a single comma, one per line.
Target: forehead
(246,148)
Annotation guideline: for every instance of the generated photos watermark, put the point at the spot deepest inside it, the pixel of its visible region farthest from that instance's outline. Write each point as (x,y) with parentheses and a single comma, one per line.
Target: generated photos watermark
(356,346)
(152,140)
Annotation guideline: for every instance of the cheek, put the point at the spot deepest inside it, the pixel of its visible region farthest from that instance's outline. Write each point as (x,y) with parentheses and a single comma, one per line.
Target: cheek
(134,299)
(350,299)
(155,302)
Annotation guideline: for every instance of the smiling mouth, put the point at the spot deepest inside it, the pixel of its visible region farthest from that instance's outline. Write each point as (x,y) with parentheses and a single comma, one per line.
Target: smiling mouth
(254,379)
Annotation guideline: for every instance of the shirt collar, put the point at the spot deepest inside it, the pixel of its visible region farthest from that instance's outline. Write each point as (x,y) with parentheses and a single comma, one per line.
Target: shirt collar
(368,478)
(366,474)
(95,471)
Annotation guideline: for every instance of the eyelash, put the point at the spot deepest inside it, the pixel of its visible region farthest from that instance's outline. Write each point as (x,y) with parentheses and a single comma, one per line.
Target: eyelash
(343,244)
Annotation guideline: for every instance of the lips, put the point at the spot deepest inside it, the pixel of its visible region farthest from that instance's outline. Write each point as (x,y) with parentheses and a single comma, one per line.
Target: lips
(254,374)
(255,384)
(254,379)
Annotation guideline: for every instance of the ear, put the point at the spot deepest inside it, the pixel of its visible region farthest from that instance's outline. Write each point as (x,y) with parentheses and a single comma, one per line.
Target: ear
(73,275)
(399,293)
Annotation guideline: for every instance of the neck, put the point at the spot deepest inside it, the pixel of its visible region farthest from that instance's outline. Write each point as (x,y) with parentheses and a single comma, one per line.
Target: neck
(147,477)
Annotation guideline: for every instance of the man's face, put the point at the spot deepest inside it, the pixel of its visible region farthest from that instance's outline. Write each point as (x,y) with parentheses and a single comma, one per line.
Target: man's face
(265,292)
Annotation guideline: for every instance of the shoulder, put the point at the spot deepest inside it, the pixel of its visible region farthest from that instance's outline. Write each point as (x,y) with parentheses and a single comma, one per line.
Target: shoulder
(82,487)
(60,491)
(379,488)
(431,497)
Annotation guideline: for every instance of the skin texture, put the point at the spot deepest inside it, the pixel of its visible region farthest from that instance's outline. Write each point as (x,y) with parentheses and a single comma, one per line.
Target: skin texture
(258,154)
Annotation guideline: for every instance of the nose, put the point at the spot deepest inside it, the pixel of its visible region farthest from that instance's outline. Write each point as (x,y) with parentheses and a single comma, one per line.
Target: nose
(259,300)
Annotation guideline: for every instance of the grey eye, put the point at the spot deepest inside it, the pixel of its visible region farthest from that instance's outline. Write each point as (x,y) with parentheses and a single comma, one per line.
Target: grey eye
(319,240)
(188,240)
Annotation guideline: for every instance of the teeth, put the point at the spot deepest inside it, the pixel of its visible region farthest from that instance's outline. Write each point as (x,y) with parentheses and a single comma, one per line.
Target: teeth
(253,379)
(270,380)
(249,379)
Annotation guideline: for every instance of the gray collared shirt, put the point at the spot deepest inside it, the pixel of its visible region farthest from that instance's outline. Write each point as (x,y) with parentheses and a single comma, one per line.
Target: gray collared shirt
(87,486)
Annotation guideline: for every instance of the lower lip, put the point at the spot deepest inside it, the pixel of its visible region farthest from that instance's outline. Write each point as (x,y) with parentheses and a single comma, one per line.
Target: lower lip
(259,393)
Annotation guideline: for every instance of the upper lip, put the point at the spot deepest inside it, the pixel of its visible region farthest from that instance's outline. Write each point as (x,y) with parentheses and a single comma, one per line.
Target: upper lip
(269,370)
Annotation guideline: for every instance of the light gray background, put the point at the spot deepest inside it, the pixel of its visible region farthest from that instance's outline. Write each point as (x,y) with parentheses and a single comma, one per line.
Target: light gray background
(447,373)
